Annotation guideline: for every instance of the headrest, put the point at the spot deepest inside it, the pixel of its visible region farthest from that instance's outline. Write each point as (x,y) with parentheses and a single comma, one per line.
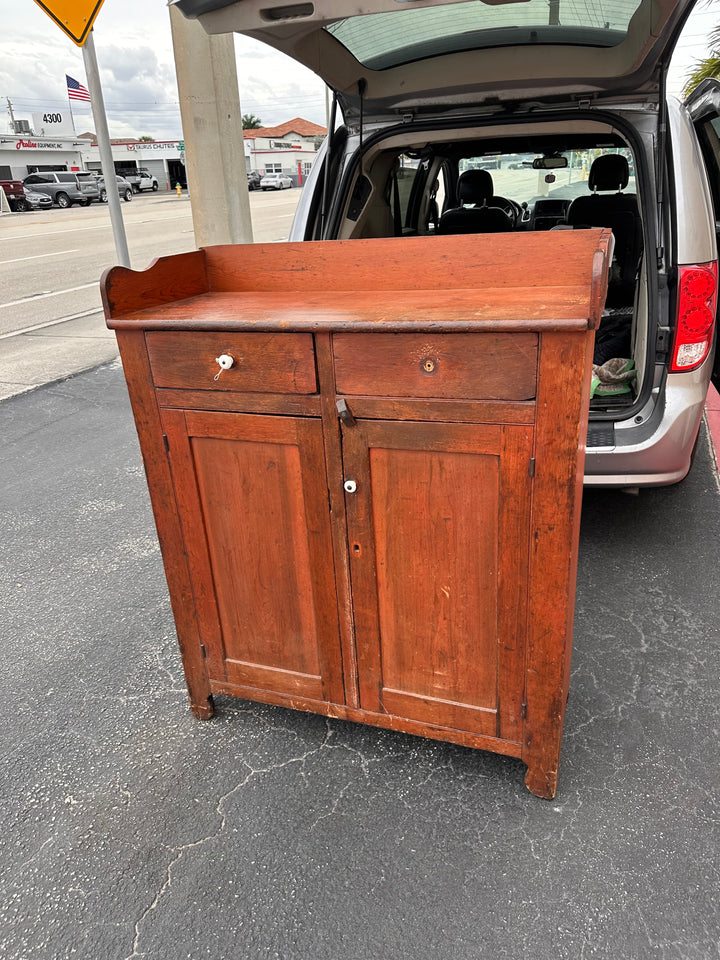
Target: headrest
(475,186)
(609,172)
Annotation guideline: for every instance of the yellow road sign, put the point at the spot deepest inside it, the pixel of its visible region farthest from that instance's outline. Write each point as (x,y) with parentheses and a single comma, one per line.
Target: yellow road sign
(74,17)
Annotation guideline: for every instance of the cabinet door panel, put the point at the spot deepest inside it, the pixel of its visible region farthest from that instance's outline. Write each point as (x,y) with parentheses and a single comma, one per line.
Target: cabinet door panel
(252,497)
(435,526)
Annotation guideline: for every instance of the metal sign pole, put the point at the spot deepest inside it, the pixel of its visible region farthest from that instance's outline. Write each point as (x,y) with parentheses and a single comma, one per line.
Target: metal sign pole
(106,159)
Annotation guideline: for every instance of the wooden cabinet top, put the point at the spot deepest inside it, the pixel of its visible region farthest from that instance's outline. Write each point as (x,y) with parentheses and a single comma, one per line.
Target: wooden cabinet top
(508,282)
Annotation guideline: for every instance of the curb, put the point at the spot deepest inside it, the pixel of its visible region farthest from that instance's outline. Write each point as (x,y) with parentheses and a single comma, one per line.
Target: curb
(712,417)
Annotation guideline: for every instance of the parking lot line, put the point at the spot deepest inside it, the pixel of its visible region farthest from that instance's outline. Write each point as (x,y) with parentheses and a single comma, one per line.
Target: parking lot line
(39,256)
(105,225)
(50,323)
(50,293)
(55,233)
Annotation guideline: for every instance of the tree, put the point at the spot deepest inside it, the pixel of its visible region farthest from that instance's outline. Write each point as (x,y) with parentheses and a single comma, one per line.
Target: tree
(709,67)
(251,122)
(146,139)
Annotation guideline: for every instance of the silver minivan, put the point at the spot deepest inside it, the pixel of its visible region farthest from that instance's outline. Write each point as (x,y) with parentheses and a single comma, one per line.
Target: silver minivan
(466,117)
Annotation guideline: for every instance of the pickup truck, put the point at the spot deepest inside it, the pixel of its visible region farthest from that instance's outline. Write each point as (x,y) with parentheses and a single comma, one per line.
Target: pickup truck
(15,194)
(140,179)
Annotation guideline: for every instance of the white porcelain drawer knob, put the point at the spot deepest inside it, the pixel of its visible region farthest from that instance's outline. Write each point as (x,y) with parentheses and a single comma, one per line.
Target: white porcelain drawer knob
(225,361)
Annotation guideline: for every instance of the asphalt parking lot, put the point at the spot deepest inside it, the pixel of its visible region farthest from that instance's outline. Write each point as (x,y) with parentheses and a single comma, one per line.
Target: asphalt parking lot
(132,830)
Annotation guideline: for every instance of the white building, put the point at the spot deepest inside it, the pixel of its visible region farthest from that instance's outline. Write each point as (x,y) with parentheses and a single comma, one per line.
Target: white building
(163,159)
(289,148)
(26,154)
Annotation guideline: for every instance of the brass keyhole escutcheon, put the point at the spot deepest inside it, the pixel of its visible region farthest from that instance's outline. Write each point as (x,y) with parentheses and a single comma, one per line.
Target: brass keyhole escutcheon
(428,366)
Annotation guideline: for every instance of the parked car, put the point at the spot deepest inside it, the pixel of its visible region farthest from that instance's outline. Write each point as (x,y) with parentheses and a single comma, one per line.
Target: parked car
(253,180)
(125,191)
(37,201)
(275,181)
(140,179)
(15,194)
(426,94)
(65,188)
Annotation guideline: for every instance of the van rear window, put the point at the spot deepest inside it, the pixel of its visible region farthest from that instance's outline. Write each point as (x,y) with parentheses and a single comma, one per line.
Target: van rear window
(384,40)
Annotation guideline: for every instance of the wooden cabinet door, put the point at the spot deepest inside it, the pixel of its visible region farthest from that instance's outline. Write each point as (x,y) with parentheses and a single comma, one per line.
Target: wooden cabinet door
(252,497)
(438,529)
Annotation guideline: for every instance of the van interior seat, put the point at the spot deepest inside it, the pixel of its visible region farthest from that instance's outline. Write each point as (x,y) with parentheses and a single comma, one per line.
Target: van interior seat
(476,214)
(618,211)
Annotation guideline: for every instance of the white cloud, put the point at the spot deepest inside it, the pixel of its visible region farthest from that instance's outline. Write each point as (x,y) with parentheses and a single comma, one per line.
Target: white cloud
(137,71)
(134,51)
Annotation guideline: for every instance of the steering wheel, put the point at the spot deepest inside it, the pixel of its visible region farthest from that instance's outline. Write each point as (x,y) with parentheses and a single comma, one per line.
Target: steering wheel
(512,209)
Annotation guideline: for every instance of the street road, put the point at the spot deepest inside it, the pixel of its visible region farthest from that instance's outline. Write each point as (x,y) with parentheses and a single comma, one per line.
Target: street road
(51,261)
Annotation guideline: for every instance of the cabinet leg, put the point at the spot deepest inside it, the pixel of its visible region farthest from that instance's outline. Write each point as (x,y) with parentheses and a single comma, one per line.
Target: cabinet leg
(541,781)
(202,709)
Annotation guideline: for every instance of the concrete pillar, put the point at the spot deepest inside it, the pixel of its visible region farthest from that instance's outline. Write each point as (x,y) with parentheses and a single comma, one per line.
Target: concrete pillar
(212,128)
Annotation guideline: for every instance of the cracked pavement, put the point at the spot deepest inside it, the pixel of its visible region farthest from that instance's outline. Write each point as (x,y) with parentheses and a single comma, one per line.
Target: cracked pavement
(132,830)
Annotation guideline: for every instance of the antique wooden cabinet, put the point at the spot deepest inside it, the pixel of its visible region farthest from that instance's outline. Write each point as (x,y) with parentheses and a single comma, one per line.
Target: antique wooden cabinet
(365,462)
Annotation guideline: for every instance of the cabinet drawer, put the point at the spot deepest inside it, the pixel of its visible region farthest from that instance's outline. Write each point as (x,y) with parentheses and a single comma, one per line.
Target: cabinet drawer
(459,366)
(262,362)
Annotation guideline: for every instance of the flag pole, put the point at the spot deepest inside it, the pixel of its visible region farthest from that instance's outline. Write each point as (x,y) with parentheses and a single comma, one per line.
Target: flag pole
(72,118)
(97,104)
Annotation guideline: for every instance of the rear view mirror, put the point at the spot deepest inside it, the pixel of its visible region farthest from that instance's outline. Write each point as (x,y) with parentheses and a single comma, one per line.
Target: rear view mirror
(549,163)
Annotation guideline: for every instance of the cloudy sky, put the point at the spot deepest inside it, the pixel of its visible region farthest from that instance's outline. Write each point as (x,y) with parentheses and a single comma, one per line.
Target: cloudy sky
(137,71)
(134,52)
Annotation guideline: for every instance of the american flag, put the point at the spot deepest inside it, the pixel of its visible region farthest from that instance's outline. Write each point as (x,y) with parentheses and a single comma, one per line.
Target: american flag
(76,91)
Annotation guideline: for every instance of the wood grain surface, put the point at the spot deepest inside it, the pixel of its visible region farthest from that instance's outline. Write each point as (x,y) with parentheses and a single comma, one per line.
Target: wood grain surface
(374,513)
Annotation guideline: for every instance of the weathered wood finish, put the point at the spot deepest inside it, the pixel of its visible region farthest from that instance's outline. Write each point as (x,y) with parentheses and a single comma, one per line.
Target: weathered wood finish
(564,308)
(170,534)
(258,536)
(436,596)
(449,366)
(437,535)
(262,362)
(558,277)
(166,280)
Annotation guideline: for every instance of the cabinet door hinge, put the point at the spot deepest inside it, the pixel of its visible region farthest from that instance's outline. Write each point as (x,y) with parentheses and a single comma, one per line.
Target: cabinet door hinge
(523,711)
(531,468)
(166,443)
(203,651)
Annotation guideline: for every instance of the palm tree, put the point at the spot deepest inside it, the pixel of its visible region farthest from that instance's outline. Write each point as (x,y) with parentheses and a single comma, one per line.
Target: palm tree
(709,67)
(251,122)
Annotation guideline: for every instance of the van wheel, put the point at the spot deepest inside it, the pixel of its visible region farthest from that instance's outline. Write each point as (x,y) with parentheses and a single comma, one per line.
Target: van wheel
(128,196)
(103,196)
(155,186)
(62,200)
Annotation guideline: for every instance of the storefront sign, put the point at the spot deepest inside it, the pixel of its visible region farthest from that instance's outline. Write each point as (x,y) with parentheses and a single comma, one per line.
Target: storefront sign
(284,145)
(53,123)
(147,145)
(32,145)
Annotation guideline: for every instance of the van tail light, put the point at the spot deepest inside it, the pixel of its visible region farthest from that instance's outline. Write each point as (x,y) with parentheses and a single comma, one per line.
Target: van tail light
(695,320)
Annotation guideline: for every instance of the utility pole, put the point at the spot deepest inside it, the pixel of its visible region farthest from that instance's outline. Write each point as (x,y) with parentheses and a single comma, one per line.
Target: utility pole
(212,128)
(97,102)
(12,115)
